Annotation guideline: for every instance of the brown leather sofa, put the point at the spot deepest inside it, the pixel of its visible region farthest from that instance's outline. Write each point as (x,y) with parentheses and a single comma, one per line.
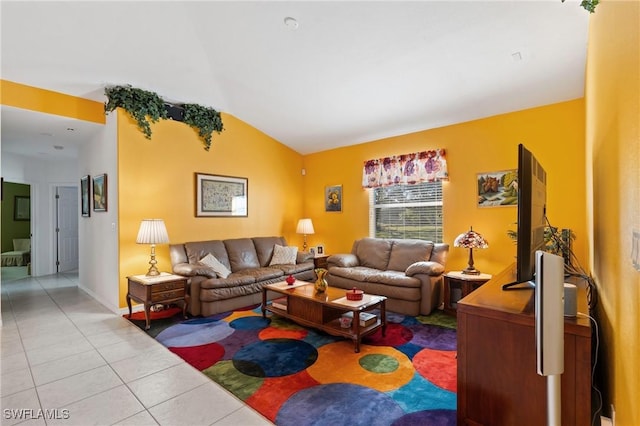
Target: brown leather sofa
(408,272)
(248,260)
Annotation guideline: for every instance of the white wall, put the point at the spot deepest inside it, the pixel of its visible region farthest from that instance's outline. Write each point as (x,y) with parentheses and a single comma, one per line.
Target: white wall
(43,176)
(98,234)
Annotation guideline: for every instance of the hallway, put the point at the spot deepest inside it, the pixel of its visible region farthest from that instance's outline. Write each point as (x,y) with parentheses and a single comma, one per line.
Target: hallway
(66,359)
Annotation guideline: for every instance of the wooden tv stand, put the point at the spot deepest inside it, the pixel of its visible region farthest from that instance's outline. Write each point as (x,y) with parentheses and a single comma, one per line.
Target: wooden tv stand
(497,379)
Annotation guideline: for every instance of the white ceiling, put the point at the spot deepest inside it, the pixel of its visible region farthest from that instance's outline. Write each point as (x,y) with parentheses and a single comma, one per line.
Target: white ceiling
(352,72)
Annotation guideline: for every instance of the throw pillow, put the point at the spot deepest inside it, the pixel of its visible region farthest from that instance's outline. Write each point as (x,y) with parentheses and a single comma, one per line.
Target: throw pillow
(216,265)
(284,255)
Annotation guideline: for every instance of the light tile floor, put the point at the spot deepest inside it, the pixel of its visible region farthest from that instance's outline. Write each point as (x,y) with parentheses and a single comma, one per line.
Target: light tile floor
(67,360)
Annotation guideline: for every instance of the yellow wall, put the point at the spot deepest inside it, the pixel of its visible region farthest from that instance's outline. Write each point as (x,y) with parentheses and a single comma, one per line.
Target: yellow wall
(554,133)
(157,180)
(32,98)
(613,150)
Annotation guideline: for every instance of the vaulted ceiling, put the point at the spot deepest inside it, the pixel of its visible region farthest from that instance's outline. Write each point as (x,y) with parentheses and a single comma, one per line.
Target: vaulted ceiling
(334,74)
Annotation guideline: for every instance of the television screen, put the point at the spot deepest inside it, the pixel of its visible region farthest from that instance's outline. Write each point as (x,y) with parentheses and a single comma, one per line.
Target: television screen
(532,199)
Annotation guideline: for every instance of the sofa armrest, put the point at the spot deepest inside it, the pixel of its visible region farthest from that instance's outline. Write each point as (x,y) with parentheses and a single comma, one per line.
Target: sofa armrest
(429,268)
(343,260)
(191,270)
(303,257)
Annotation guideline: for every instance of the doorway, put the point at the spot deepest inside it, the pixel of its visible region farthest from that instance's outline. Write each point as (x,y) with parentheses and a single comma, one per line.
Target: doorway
(16,226)
(66,228)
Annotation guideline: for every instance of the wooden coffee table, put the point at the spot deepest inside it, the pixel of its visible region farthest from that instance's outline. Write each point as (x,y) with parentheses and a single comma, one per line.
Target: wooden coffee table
(323,310)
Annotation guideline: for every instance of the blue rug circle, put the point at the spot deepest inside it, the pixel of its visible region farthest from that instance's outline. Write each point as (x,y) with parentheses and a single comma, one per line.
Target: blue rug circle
(250,323)
(275,357)
(339,404)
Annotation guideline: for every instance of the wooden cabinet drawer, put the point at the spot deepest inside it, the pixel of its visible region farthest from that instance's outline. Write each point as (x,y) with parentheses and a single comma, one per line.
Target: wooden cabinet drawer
(160,287)
(167,295)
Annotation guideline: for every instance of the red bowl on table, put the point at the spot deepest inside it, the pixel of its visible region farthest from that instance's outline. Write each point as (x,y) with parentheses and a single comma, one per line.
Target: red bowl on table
(355,294)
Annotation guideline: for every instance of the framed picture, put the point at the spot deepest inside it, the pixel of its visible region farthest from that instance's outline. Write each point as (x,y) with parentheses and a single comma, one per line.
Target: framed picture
(333,198)
(220,196)
(85,190)
(320,250)
(22,208)
(498,189)
(312,250)
(100,193)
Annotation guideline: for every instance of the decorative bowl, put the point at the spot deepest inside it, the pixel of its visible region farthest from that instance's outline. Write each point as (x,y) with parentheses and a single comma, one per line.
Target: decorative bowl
(290,280)
(354,294)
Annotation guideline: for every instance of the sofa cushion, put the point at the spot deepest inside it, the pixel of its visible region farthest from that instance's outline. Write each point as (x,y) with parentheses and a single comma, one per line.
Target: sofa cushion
(199,249)
(373,252)
(296,268)
(213,263)
(284,255)
(242,254)
(264,248)
(370,275)
(406,252)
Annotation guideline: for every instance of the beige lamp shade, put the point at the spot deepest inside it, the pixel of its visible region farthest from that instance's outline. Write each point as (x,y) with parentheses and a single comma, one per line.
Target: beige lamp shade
(152,231)
(305,227)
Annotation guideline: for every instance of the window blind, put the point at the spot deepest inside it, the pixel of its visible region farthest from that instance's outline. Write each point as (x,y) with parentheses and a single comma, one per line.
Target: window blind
(407,211)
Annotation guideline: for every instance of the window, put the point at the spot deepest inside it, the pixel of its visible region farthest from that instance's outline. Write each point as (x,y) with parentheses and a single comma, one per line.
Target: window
(407,211)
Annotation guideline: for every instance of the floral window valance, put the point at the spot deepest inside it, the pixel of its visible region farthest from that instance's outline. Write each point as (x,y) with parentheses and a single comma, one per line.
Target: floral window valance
(424,166)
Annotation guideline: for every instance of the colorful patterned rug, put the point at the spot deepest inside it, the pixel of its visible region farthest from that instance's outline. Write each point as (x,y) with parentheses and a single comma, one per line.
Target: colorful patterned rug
(295,375)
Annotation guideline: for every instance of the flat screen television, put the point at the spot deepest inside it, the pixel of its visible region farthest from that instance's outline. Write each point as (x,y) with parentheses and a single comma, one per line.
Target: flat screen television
(532,200)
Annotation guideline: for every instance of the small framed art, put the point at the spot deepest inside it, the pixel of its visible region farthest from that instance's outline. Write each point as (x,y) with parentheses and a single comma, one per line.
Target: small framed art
(100,193)
(220,196)
(320,250)
(333,198)
(85,196)
(22,208)
(498,189)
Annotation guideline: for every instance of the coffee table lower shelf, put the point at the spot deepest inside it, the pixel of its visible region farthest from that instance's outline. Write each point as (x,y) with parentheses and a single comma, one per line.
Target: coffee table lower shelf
(319,312)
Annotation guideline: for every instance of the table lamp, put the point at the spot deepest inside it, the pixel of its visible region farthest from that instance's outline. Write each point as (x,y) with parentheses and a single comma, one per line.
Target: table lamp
(305,227)
(152,231)
(470,239)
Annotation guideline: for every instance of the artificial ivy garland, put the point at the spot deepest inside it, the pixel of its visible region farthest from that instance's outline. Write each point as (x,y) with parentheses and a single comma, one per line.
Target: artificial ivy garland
(147,107)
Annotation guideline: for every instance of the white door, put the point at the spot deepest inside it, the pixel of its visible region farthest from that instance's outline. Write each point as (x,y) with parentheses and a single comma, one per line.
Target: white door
(67,212)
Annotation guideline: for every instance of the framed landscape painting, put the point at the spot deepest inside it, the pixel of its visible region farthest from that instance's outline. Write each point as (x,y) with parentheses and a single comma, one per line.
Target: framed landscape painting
(498,189)
(85,196)
(220,196)
(100,193)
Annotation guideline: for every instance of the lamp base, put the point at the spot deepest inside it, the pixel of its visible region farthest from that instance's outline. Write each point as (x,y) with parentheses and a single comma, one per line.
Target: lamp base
(471,271)
(153,272)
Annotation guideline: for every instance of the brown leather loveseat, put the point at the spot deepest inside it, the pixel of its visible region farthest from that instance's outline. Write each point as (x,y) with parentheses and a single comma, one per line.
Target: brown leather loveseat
(249,264)
(408,272)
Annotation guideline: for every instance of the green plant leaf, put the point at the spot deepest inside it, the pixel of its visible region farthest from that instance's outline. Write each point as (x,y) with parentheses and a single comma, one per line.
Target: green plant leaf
(205,120)
(143,106)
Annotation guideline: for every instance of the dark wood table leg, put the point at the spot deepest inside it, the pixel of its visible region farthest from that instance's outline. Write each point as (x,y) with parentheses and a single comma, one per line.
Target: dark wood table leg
(185,301)
(264,302)
(356,320)
(129,303)
(383,317)
(147,315)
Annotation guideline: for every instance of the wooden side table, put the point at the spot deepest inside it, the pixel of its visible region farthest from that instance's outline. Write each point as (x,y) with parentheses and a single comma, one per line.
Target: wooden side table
(457,285)
(320,261)
(162,289)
